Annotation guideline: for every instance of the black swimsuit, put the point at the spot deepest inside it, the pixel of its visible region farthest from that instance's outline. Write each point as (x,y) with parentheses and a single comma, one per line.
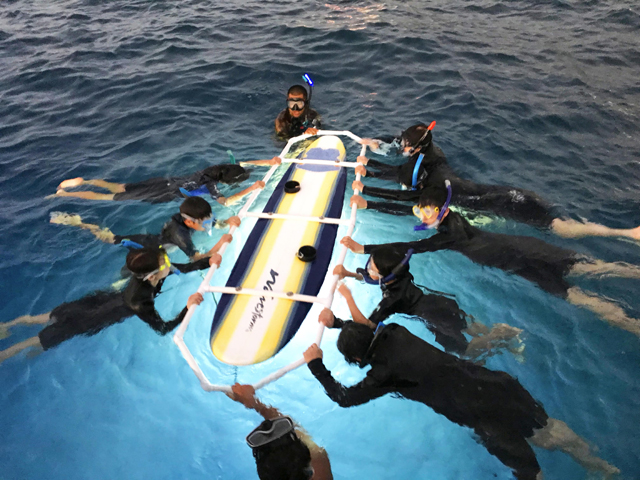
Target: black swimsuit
(174,232)
(441,315)
(292,127)
(531,258)
(517,204)
(494,404)
(95,312)
(161,190)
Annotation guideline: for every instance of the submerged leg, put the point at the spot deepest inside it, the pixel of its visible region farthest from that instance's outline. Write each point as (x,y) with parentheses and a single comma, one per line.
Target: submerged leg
(605,309)
(111,186)
(102,234)
(572,229)
(501,335)
(85,195)
(606,269)
(18,347)
(29,320)
(557,435)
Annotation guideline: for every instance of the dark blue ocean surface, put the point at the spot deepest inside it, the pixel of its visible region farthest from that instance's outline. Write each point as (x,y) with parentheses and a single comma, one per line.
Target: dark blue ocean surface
(544,95)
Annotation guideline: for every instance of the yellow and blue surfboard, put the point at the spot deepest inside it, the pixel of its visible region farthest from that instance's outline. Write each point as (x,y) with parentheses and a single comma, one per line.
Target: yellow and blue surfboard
(249,329)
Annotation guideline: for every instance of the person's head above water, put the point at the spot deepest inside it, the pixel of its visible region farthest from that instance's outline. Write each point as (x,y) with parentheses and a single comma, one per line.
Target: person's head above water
(385,265)
(149,263)
(296,100)
(227,173)
(354,341)
(278,451)
(415,138)
(196,213)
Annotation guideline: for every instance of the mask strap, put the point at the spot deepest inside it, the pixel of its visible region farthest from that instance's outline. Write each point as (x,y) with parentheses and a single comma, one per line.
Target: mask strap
(398,267)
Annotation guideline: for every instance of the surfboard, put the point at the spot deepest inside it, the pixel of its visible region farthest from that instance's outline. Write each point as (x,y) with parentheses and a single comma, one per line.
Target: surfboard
(249,329)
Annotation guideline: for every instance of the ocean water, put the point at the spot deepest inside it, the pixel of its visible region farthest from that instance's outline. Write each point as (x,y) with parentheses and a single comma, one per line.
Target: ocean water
(540,94)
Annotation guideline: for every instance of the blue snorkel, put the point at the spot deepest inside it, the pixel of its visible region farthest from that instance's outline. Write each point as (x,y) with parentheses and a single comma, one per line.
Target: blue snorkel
(445,207)
(416,169)
(307,79)
(392,276)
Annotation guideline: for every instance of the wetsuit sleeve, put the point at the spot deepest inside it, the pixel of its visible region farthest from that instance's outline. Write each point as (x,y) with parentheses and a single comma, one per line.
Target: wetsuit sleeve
(337,322)
(213,190)
(390,207)
(180,238)
(388,194)
(437,242)
(385,309)
(367,389)
(147,313)
(201,264)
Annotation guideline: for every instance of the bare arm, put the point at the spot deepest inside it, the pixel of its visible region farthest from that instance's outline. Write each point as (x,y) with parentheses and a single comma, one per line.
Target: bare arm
(356,314)
(246,395)
(237,196)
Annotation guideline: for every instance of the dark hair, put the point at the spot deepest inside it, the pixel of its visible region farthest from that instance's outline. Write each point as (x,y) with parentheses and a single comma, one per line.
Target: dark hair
(413,136)
(284,459)
(433,195)
(297,90)
(226,173)
(387,258)
(196,207)
(354,341)
(144,261)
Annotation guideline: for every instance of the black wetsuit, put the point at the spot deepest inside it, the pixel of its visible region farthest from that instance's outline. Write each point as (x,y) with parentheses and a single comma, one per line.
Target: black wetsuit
(174,232)
(292,127)
(517,204)
(494,404)
(97,311)
(161,190)
(441,315)
(531,258)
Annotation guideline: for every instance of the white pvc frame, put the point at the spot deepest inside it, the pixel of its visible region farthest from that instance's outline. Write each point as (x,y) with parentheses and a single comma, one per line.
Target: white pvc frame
(205,286)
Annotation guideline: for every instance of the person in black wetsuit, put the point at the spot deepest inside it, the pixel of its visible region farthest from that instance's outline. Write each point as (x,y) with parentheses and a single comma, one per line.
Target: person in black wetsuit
(298,117)
(544,264)
(389,268)
(167,189)
(97,311)
(495,405)
(195,215)
(510,202)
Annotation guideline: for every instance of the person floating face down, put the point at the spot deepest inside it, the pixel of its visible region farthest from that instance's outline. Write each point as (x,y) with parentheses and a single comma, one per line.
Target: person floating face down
(97,311)
(167,189)
(195,215)
(389,268)
(544,264)
(427,166)
(298,118)
(282,449)
(501,412)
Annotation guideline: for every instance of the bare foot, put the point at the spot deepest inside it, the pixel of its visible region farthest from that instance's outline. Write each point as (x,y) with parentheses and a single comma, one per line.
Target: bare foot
(70,183)
(635,233)
(4,332)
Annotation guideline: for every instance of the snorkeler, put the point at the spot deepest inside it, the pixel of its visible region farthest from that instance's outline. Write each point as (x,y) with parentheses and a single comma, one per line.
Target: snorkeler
(427,166)
(195,215)
(501,412)
(282,448)
(544,264)
(389,268)
(97,311)
(298,117)
(166,189)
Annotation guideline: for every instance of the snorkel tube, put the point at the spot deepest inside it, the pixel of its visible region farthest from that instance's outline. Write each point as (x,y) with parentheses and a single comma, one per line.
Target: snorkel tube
(416,169)
(307,79)
(392,276)
(445,207)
